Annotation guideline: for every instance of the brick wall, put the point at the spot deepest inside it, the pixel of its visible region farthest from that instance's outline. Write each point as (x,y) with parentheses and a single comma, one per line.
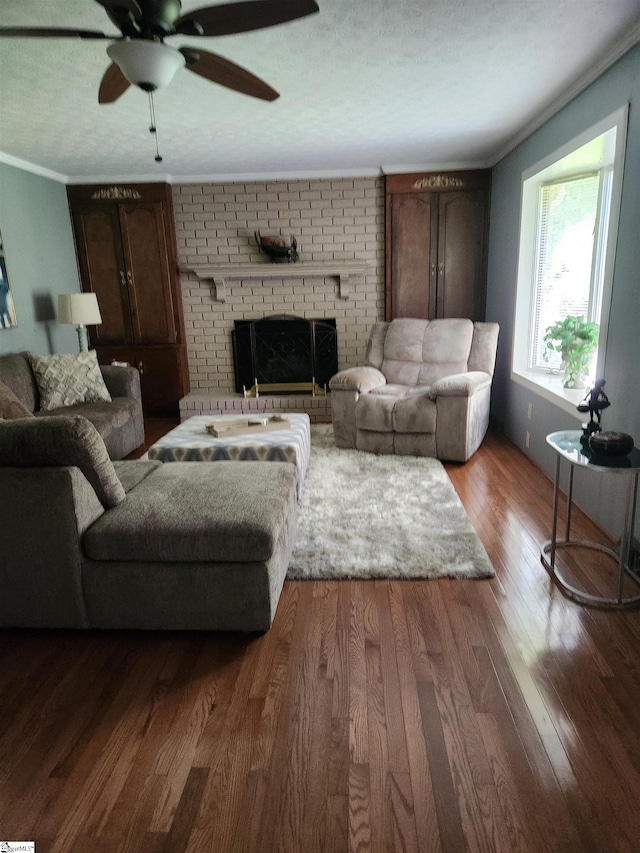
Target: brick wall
(331,220)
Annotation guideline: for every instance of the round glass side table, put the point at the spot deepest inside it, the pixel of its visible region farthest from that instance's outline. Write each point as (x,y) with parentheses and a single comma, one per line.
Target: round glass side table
(568,448)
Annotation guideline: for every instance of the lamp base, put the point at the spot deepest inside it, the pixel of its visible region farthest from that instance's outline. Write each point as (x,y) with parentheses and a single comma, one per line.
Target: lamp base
(83,340)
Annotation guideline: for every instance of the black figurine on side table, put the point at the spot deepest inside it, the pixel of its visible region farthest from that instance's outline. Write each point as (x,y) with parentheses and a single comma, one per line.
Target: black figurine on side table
(594,402)
(593,440)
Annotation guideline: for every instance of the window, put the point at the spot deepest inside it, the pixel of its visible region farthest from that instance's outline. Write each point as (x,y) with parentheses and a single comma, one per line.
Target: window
(567,246)
(564,282)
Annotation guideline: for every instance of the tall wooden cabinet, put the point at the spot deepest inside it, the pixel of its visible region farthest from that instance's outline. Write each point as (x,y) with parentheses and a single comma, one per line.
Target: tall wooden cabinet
(436,244)
(126,248)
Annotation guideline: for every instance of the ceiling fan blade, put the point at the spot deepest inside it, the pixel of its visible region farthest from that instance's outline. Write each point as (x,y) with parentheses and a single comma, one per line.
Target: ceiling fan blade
(122,6)
(230,18)
(51,32)
(112,85)
(220,70)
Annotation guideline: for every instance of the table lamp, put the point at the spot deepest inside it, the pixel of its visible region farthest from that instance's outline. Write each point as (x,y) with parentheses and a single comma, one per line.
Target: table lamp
(82,310)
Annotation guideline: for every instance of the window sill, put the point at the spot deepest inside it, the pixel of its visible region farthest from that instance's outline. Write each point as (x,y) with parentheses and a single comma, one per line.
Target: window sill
(549,386)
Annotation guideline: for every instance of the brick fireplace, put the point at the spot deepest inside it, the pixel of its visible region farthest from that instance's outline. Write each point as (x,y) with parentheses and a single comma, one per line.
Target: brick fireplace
(339,226)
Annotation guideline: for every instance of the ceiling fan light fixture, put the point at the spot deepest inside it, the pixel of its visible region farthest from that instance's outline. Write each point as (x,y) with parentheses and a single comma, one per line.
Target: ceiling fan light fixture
(150,65)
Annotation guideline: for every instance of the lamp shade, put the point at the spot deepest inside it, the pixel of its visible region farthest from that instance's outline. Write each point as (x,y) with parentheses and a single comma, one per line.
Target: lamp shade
(81,309)
(149,65)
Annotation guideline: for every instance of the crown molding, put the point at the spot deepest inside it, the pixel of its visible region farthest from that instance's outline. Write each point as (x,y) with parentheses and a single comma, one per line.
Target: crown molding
(435,166)
(223,178)
(309,175)
(615,52)
(25,166)
(154,178)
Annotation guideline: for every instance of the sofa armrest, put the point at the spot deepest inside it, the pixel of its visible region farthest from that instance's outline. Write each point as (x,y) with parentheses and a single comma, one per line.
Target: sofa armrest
(460,384)
(121,381)
(361,379)
(45,512)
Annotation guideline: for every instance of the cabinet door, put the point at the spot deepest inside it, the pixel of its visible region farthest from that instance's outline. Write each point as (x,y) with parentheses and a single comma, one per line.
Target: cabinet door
(146,254)
(461,227)
(162,379)
(413,254)
(102,270)
(164,375)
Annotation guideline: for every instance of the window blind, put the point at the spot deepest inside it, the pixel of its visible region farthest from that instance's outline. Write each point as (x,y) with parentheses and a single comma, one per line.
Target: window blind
(568,211)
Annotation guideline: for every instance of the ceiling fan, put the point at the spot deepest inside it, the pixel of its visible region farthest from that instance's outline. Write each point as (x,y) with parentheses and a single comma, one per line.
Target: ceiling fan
(140,56)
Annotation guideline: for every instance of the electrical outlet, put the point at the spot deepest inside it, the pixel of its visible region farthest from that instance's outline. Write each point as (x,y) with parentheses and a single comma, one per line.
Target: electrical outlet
(527,439)
(530,411)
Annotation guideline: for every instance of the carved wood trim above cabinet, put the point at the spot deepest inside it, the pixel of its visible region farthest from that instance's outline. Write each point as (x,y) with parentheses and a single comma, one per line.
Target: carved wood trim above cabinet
(418,182)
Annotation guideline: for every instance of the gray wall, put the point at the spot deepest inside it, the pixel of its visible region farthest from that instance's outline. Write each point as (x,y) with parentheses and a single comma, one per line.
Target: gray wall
(41,262)
(619,85)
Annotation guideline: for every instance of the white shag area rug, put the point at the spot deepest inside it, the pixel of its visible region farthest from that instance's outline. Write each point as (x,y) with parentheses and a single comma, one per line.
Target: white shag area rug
(367,516)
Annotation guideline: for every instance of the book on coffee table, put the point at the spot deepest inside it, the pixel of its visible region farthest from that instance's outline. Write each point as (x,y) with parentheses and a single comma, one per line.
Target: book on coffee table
(237,426)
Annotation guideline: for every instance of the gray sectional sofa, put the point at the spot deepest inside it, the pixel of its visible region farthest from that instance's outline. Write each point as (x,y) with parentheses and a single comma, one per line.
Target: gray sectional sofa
(119,422)
(90,543)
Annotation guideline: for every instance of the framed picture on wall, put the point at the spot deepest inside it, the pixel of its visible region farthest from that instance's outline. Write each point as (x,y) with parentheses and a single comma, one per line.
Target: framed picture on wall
(7,308)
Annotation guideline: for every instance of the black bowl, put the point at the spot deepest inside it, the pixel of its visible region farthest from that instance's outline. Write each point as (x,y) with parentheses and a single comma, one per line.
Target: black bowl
(611,443)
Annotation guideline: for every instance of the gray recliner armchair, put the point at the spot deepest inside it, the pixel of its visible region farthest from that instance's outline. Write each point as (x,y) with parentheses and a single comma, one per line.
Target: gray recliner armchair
(424,389)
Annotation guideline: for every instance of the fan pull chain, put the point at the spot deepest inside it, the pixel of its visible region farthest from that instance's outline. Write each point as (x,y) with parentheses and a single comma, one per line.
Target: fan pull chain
(152,128)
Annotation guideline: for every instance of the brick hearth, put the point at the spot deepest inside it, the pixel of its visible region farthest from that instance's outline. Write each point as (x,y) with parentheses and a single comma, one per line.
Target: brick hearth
(200,403)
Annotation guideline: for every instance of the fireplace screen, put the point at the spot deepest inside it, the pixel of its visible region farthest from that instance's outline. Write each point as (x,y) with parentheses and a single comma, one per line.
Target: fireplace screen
(284,350)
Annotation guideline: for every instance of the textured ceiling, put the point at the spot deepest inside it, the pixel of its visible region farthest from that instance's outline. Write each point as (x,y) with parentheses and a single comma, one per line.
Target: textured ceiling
(365,85)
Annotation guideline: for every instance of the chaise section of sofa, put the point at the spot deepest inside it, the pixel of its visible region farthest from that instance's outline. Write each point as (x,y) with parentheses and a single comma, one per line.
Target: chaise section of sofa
(137,544)
(120,421)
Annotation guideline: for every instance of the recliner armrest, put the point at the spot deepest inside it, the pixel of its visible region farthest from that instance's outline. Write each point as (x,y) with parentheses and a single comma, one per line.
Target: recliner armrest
(361,379)
(460,384)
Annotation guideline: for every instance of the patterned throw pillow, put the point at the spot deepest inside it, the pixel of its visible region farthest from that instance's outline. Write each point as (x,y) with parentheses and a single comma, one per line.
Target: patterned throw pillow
(66,380)
(10,406)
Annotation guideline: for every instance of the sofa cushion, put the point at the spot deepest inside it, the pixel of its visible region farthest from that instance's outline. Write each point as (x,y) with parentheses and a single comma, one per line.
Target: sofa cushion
(104,416)
(68,379)
(15,371)
(391,390)
(375,412)
(10,405)
(55,441)
(445,349)
(133,471)
(118,422)
(417,352)
(198,512)
(416,412)
(402,409)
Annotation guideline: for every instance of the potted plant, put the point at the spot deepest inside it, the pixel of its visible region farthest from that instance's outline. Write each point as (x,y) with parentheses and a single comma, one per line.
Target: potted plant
(576,340)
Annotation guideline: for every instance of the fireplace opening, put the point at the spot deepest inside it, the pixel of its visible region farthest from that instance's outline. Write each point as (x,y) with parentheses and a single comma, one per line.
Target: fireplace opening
(284,350)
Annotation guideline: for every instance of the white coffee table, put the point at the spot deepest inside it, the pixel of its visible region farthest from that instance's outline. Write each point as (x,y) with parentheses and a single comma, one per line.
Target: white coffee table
(190,442)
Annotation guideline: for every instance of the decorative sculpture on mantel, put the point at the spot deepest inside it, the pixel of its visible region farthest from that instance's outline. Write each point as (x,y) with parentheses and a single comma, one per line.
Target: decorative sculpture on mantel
(277,249)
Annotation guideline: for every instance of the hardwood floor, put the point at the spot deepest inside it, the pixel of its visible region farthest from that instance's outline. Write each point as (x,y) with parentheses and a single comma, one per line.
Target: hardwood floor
(154,428)
(451,716)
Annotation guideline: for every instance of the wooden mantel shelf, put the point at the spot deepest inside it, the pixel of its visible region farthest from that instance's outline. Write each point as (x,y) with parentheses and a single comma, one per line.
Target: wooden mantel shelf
(344,271)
